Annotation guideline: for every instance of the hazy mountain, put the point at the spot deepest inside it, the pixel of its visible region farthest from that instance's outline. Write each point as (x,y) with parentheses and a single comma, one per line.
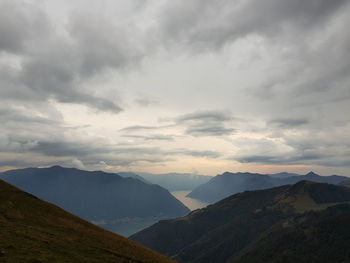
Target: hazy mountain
(33,230)
(176,181)
(283,175)
(258,221)
(311,176)
(133,175)
(124,205)
(227,183)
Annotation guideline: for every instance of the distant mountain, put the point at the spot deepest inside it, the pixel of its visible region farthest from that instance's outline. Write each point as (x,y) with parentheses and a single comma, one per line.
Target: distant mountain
(124,205)
(33,230)
(227,183)
(283,175)
(133,175)
(304,222)
(176,181)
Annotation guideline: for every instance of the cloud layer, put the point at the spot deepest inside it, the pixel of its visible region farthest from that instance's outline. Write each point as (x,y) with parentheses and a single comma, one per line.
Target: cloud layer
(175,85)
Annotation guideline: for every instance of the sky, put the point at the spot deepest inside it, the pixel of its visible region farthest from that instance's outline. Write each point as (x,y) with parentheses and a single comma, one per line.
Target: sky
(161,86)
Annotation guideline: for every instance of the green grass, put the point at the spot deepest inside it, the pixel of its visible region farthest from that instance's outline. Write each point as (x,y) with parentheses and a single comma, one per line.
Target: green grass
(32,230)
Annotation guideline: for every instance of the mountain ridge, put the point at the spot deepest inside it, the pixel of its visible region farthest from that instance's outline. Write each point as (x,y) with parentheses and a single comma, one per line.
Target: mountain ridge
(226,184)
(33,230)
(99,196)
(225,229)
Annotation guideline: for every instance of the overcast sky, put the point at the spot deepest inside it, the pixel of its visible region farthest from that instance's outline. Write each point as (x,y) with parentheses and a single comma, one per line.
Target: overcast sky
(195,86)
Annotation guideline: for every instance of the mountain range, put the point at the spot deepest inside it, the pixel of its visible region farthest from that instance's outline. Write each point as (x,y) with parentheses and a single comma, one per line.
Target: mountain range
(36,231)
(305,222)
(176,181)
(226,184)
(124,205)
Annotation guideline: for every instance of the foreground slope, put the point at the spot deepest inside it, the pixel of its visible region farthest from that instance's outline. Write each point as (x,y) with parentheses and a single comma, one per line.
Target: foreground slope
(226,230)
(320,237)
(345,183)
(33,230)
(227,184)
(98,196)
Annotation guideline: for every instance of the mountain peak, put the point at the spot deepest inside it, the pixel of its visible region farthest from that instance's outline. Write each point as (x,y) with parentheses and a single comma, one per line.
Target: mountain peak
(311,173)
(302,185)
(56,167)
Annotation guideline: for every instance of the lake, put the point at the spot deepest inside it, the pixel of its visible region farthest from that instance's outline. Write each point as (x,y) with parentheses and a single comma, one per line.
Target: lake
(191,203)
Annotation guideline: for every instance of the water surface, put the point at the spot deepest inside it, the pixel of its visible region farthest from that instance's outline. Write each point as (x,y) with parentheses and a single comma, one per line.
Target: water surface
(191,203)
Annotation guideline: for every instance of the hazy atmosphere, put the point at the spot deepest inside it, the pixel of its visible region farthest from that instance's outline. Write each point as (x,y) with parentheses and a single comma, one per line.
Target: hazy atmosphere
(176,86)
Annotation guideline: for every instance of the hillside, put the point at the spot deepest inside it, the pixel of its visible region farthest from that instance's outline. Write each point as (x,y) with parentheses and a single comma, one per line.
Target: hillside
(124,205)
(227,184)
(320,237)
(33,230)
(345,183)
(224,231)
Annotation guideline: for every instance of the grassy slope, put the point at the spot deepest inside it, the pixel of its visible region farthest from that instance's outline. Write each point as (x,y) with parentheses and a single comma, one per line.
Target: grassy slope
(321,237)
(221,232)
(32,230)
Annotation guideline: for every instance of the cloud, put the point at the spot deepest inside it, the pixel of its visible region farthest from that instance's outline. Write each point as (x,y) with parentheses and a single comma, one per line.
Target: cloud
(281,66)
(151,137)
(304,145)
(78,164)
(206,123)
(206,154)
(288,123)
(59,65)
(284,159)
(208,116)
(139,128)
(212,24)
(20,22)
(11,115)
(66,148)
(208,130)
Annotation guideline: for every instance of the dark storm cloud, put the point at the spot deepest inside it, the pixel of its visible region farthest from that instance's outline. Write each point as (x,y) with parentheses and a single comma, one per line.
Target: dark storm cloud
(297,159)
(207,116)
(312,89)
(323,158)
(22,162)
(209,129)
(56,65)
(199,123)
(206,23)
(288,123)
(101,44)
(8,115)
(303,108)
(19,23)
(206,123)
(66,148)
